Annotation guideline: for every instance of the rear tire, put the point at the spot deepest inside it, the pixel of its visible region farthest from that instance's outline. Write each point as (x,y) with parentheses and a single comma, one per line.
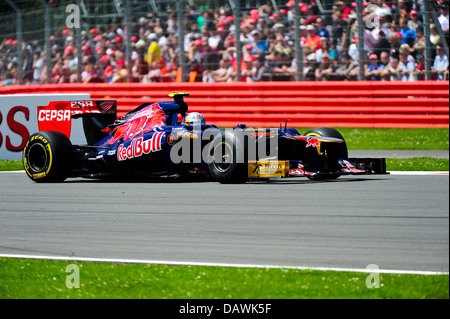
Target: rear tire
(47,157)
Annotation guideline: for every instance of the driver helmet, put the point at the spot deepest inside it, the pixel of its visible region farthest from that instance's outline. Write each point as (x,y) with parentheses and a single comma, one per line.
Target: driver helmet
(193,119)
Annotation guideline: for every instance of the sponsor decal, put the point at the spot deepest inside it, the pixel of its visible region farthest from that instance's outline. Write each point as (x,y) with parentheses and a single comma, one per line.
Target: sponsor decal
(54,115)
(312,142)
(139,147)
(268,169)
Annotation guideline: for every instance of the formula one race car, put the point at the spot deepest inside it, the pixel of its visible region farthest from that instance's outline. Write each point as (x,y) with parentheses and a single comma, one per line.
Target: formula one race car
(161,139)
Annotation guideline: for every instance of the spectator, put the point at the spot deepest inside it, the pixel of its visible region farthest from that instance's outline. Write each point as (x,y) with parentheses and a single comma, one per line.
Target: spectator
(393,72)
(121,74)
(140,69)
(195,73)
(325,69)
(325,48)
(409,36)
(154,50)
(382,69)
(408,68)
(322,31)
(259,71)
(443,17)
(38,66)
(313,39)
(66,75)
(434,36)
(258,45)
(414,23)
(309,70)
(225,71)
(372,71)
(210,60)
(383,45)
(440,65)
(420,67)
(349,68)
(27,67)
(395,42)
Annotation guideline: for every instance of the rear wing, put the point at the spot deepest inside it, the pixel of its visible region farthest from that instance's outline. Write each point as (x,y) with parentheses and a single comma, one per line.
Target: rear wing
(57,115)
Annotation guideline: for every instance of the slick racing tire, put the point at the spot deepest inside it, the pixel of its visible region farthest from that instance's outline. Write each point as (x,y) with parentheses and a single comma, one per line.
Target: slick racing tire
(47,157)
(329,132)
(226,159)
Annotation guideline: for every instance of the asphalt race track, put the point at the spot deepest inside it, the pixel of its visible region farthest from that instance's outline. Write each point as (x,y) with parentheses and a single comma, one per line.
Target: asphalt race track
(392,221)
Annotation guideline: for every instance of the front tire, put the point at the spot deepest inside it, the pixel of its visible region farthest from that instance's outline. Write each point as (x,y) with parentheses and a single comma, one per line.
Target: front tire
(330,132)
(342,150)
(226,160)
(47,157)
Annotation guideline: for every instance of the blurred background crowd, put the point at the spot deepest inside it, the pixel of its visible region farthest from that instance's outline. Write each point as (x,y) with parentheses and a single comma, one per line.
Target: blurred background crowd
(394,42)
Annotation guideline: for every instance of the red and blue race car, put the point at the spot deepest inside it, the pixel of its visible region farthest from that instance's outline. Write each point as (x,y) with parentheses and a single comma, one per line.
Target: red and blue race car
(163,139)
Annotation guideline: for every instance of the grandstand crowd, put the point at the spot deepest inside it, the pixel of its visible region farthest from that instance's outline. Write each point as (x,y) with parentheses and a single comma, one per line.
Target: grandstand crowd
(394,44)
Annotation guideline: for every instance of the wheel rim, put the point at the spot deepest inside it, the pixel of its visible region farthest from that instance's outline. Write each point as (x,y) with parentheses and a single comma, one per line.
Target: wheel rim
(226,157)
(37,157)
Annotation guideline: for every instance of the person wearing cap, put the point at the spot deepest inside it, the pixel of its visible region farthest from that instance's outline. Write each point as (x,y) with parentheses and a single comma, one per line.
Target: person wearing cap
(246,67)
(371,71)
(420,67)
(121,74)
(414,23)
(313,39)
(154,50)
(258,44)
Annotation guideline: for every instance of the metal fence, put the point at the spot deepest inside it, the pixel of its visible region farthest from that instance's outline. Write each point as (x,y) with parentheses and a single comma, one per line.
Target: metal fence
(59,41)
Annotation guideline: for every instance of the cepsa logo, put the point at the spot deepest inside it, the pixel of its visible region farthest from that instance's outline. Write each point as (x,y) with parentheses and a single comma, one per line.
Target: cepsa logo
(15,127)
(54,115)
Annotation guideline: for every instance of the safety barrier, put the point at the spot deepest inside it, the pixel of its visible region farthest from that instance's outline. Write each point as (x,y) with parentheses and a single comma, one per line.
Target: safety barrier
(269,104)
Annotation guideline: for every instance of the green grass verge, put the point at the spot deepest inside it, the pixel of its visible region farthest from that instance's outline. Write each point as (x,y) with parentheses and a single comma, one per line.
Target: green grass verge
(42,279)
(394,139)
(10,165)
(417,164)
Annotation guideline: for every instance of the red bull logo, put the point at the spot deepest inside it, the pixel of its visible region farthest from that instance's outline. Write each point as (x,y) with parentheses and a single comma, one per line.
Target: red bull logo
(138,147)
(312,142)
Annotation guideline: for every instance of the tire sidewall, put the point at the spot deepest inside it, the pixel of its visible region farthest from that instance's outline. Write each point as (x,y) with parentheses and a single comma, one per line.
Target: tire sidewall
(55,150)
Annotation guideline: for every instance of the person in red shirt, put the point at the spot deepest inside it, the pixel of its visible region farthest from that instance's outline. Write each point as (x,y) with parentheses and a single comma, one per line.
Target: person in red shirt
(313,39)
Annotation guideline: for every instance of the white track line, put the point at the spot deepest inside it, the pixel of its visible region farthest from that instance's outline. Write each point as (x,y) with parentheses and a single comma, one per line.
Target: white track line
(419,173)
(187,263)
